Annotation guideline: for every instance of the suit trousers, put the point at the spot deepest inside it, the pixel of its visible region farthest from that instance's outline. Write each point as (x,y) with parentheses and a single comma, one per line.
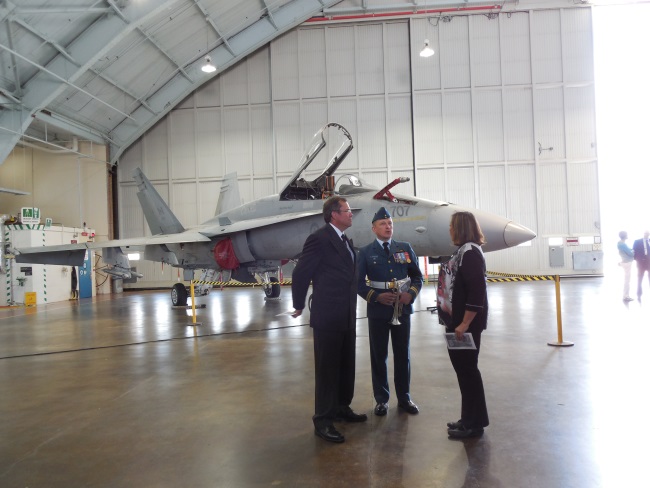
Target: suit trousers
(473,413)
(642,267)
(379,331)
(334,359)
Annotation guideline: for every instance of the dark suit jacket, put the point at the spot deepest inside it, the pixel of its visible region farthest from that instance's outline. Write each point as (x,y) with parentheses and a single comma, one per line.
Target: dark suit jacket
(639,254)
(326,262)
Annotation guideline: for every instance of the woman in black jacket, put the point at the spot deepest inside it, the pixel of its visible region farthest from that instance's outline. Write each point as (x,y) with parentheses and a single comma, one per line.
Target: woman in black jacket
(463,307)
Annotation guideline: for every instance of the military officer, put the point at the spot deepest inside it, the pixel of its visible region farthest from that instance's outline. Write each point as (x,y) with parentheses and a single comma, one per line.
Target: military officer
(395,280)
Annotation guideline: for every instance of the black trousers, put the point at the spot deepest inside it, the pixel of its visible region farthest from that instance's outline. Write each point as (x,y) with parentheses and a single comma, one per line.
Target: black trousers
(379,331)
(641,269)
(334,358)
(473,412)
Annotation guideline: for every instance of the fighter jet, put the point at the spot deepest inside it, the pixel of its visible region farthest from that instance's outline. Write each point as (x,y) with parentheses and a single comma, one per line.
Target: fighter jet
(250,242)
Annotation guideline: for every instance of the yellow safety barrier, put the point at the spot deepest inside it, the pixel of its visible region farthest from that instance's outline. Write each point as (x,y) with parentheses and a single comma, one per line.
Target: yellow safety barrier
(506,277)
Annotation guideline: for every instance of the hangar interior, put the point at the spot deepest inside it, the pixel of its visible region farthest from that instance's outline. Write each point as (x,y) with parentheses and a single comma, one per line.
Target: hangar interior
(501,118)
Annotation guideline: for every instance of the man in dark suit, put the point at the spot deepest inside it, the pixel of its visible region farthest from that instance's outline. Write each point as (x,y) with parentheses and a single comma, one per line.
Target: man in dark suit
(328,261)
(641,250)
(395,280)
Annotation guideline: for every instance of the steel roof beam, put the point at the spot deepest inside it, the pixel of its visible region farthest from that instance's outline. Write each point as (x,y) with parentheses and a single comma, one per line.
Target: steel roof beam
(245,42)
(96,41)
(209,20)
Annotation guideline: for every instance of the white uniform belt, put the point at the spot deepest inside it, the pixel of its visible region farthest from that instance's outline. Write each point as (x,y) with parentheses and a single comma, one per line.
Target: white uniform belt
(390,285)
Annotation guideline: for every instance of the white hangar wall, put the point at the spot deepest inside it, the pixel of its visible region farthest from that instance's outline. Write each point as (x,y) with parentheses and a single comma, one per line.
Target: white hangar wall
(501,118)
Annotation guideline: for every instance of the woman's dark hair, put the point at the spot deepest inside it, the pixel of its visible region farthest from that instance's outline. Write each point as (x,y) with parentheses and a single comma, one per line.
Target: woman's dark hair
(464,228)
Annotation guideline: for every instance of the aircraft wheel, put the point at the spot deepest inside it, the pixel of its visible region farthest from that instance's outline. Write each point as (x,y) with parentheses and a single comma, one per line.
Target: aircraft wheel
(272,291)
(179,295)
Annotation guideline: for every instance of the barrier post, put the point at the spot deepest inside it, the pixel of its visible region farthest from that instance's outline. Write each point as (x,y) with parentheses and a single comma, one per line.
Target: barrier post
(558,308)
(194,322)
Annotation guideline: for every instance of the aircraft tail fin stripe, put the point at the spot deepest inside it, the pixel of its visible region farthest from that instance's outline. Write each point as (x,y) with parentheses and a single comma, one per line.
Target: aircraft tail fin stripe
(160,218)
(229,194)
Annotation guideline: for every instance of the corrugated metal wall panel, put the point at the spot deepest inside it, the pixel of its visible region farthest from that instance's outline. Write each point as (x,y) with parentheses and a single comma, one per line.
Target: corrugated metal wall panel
(426,71)
(313,66)
(549,123)
(284,67)
(399,130)
(234,83)
(518,124)
(522,191)
(582,182)
(577,43)
(237,140)
(370,59)
(182,144)
(344,111)
(156,151)
(553,199)
(580,123)
(208,198)
(459,143)
(489,125)
(209,145)
(286,122)
(547,46)
(460,186)
(429,140)
(515,45)
(263,187)
(185,203)
(398,72)
(209,95)
(341,63)
(486,53)
(131,159)
(431,184)
(314,116)
(492,189)
(372,133)
(131,216)
(454,53)
(259,77)
(261,137)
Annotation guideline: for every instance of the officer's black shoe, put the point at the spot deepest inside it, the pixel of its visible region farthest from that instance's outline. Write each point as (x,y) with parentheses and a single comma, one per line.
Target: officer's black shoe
(348,415)
(329,433)
(381,409)
(409,407)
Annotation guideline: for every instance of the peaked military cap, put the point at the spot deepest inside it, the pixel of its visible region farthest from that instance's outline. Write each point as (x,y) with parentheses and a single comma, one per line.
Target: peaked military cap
(381,214)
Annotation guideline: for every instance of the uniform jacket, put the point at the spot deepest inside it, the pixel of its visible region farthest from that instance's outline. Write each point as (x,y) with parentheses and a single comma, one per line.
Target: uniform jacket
(374,264)
(326,263)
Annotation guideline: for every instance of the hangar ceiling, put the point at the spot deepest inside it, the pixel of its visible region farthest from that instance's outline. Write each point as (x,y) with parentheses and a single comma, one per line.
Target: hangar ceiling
(108,70)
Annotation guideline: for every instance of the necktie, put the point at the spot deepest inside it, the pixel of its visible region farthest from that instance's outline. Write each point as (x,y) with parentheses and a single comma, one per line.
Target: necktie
(386,250)
(346,241)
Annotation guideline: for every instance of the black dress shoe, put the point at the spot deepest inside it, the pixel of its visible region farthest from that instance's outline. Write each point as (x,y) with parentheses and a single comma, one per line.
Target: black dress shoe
(409,407)
(348,415)
(455,425)
(329,433)
(464,433)
(381,409)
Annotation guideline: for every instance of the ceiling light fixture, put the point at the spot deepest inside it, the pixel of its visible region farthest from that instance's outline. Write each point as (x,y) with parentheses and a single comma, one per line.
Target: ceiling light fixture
(208,67)
(426,50)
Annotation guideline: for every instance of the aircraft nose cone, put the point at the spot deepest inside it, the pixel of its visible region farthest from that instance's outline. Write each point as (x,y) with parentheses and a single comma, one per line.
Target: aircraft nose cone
(515,234)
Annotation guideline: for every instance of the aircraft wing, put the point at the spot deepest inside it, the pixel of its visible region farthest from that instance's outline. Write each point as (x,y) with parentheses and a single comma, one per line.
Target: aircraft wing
(224,226)
(74,254)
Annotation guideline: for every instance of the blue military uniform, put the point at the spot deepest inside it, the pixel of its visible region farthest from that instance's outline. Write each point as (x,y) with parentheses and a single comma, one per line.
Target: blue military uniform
(381,268)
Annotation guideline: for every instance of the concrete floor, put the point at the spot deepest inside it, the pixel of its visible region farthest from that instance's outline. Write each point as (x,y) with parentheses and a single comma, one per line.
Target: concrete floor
(120,392)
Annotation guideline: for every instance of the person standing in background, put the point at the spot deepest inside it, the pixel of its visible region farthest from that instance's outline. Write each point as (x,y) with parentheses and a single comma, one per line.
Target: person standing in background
(627,256)
(641,249)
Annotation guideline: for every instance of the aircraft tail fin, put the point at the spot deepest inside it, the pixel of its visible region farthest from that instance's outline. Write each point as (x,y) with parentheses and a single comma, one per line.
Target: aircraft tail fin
(160,218)
(229,194)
